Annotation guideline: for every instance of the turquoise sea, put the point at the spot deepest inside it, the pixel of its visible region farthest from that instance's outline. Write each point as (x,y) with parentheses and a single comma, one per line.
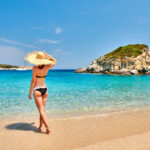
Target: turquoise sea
(70,92)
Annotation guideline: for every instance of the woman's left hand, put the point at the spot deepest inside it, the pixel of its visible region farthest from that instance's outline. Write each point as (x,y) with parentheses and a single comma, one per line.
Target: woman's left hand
(29,96)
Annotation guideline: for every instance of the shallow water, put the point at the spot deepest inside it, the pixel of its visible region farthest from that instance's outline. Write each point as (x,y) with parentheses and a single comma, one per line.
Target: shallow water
(73,92)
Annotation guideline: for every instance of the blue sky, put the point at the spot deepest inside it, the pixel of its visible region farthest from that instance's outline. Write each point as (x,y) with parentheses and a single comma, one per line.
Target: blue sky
(75,32)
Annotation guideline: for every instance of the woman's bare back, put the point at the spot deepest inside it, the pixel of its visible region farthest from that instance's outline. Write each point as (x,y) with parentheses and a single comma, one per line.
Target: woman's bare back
(40,82)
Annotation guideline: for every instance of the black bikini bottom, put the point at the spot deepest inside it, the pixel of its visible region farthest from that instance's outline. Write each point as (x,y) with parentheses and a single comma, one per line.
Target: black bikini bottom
(42,90)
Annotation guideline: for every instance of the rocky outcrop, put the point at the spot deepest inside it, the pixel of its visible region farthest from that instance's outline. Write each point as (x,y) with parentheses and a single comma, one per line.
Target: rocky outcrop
(83,69)
(131,59)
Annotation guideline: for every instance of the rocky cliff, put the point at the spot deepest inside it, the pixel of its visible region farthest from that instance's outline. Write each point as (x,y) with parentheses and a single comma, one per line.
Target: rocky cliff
(130,59)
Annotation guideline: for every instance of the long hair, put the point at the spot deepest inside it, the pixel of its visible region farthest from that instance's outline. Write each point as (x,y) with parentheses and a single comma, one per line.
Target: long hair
(41,66)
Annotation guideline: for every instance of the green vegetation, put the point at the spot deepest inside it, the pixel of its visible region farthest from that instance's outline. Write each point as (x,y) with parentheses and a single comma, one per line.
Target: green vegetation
(128,50)
(8,66)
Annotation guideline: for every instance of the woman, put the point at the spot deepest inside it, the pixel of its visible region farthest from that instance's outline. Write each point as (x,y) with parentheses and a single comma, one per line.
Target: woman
(42,63)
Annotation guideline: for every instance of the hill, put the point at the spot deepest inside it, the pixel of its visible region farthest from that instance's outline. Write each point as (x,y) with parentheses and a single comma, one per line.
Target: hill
(129,59)
(14,67)
(8,66)
(128,50)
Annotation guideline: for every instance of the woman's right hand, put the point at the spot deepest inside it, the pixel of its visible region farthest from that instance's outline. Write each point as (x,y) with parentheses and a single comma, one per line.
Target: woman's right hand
(29,96)
(45,55)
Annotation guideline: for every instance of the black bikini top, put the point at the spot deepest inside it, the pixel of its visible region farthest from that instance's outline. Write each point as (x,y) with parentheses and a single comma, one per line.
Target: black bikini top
(40,76)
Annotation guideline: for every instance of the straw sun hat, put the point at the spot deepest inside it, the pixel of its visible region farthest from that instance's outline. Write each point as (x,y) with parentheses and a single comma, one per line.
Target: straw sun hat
(37,58)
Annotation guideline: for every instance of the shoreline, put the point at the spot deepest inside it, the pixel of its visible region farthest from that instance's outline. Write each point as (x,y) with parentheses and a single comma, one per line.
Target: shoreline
(113,132)
(77,114)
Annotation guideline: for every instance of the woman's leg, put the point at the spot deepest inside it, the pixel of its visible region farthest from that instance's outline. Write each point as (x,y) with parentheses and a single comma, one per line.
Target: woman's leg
(41,123)
(44,98)
(40,106)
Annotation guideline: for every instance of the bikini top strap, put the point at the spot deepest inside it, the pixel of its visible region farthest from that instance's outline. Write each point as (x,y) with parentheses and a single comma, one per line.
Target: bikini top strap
(40,76)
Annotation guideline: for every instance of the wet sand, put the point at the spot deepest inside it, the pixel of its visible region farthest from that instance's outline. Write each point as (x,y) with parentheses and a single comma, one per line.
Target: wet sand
(129,130)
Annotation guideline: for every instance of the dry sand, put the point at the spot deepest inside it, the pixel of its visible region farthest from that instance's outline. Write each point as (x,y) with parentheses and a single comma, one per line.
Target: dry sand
(128,130)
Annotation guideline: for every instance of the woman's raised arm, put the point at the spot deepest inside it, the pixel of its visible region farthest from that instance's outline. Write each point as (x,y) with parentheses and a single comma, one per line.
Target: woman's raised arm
(49,57)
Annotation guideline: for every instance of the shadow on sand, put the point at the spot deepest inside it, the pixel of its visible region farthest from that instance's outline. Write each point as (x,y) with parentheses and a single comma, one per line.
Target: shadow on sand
(23,126)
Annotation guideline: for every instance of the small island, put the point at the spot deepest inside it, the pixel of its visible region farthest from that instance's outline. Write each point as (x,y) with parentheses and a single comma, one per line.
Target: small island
(14,67)
(129,59)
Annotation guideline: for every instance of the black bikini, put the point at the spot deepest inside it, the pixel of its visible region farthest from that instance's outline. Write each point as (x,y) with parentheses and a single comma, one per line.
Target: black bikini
(41,89)
(40,76)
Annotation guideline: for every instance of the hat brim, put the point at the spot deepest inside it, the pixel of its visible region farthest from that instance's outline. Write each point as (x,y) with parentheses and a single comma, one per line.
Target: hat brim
(31,58)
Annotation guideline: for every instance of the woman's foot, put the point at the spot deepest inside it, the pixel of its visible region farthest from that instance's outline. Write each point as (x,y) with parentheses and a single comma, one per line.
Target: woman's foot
(40,129)
(47,130)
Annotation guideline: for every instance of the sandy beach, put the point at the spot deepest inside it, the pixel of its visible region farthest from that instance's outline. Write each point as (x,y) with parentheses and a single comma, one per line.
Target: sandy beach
(128,130)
